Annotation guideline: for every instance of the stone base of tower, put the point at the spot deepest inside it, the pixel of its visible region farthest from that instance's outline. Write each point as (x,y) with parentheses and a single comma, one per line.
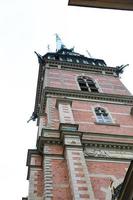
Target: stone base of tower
(35,175)
(63,172)
(50,179)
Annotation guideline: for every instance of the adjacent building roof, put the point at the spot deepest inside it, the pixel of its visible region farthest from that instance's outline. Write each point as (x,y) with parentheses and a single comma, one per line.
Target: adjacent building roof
(113,4)
(126,192)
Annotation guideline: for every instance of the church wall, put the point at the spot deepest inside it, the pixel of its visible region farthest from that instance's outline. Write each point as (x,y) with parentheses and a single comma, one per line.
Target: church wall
(104,176)
(77,157)
(36,181)
(61,186)
(64,79)
(83,113)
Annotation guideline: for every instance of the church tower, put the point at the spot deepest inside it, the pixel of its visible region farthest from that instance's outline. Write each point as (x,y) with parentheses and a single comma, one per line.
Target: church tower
(85,129)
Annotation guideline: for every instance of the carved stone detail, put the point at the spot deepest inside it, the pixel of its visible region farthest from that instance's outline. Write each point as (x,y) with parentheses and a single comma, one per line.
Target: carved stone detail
(107,153)
(72,140)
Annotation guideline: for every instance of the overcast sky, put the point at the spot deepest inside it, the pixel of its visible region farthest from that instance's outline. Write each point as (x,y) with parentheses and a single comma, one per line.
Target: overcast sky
(30,25)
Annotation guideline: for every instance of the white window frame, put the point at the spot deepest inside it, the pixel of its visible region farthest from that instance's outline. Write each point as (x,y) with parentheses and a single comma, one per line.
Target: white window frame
(102,118)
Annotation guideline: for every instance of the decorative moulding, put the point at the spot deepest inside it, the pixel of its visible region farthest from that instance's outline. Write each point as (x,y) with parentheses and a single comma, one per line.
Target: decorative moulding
(68,127)
(63,101)
(121,99)
(108,145)
(72,140)
(107,124)
(85,67)
(32,152)
(108,153)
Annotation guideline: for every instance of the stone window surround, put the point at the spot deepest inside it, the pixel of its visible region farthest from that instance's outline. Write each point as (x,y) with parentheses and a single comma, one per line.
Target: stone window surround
(112,123)
(89,76)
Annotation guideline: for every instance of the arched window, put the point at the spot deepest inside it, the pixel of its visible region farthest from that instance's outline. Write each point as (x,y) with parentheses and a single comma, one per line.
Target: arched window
(87,84)
(102,115)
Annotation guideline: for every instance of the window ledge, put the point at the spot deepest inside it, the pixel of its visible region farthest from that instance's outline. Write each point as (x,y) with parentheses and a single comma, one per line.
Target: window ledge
(107,124)
(68,127)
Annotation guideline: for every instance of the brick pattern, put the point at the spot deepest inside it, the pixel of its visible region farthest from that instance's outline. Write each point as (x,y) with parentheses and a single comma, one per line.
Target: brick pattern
(48,181)
(65,113)
(35,178)
(101,175)
(42,123)
(53,149)
(56,184)
(36,160)
(68,80)
(52,114)
(78,175)
(35,184)
(61,186)
(83,114)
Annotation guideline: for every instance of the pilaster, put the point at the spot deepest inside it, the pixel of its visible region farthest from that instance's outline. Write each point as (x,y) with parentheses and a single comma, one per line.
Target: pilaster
(35,175)
(80,183)
(48,182)
(65,112)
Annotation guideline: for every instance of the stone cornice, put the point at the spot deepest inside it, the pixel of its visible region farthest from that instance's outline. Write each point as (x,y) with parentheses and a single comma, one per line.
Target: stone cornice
(28,162)
(97,134)
(107,159)
(29,154)
(108,145)
(92,149)
(88,95)
(102,97)
(85,67)
(39,88)
(115,136)
(92,143)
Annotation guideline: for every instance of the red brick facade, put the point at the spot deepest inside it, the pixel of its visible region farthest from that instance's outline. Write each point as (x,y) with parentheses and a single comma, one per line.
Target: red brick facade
(68,79)
(102,173)
(78,157)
